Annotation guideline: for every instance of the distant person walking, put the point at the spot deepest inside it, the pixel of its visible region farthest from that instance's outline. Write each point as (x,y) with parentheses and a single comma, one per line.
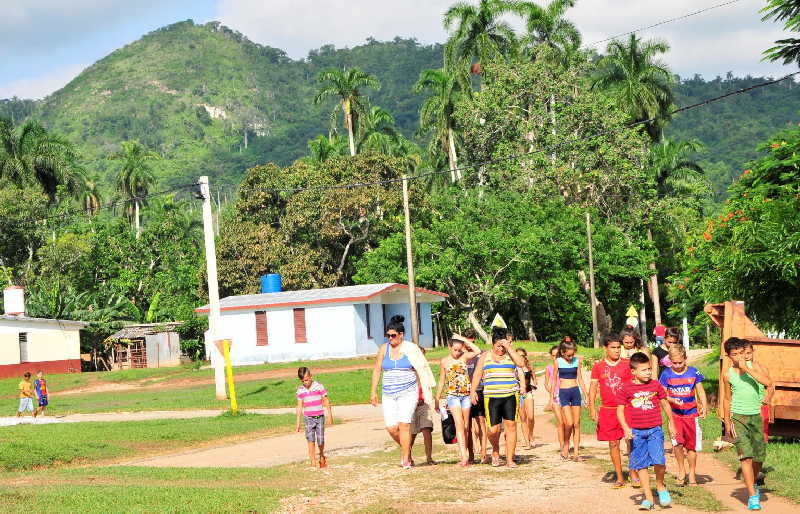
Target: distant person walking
(551,383)
(570,393)
(527,420)
(454,379)
(40,388)
(497,369)
(405,369)
(660,354)
(26,396)
(312,403)
(659,331)
(479,435)
(632,343)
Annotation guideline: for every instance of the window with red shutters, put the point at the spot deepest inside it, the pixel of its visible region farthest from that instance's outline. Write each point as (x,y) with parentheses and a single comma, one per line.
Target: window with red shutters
(261,329)
(300,326)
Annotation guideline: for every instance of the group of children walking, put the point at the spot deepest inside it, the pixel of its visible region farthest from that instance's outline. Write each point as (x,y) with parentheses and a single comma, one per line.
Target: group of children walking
(490,392)
(28,391)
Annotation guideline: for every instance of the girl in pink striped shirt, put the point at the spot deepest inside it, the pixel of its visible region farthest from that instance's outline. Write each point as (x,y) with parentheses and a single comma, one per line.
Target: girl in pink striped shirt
(312,402)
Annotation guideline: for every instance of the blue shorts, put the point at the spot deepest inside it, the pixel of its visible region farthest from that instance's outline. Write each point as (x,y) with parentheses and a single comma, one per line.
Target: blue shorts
(647,448)
(454,401)
(43,401)
(570,396)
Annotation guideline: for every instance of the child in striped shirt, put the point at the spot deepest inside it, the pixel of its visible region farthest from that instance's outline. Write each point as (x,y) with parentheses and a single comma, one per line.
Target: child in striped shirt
(312,403)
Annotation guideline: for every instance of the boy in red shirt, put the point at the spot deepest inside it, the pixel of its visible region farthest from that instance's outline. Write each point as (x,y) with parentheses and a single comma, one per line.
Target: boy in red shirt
(643,399)
(608,375)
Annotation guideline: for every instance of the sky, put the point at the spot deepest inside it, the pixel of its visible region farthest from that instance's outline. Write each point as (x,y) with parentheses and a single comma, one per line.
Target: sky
(46,43)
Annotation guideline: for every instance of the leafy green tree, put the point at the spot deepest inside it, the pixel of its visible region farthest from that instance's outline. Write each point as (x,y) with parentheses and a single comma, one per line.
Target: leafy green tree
(639,82)
(135,176)
(436,115)
(90,197)
(346,85)
(31,155)
(23,228)
(787,11)
(323,148)
(378,131)
(548,28)
(477,33)
(751,251)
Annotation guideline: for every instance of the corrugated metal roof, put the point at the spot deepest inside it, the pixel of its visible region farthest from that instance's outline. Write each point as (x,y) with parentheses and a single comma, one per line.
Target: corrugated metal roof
(65,322)
(144,329)
(358,293)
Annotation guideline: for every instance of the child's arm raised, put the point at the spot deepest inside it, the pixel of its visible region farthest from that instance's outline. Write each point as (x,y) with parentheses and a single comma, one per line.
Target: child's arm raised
(758,372)
(472,350)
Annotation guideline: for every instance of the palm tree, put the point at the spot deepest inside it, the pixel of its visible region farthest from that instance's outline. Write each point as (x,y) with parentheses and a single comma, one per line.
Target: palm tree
(477,33)
(436,113)
(323,148)
(90,197)
(639,82)
(29,154)
(377,131)
(345,85)
(547,28)
(670,162)
(135,177)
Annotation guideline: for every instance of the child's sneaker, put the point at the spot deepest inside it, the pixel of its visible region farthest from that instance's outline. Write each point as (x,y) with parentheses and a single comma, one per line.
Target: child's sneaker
(664,498)
(754,502)
(645,505)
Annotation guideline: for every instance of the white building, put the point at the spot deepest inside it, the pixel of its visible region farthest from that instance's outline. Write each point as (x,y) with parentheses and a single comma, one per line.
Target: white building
(317,323)
(33,344)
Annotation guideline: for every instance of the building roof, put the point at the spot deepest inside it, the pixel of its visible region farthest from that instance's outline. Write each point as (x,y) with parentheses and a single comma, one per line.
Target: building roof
(354,294)
(66,323)
(139,331)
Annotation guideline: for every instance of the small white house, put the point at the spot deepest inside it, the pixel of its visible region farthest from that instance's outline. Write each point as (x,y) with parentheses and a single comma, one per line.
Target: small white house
(317,323)
(33,344)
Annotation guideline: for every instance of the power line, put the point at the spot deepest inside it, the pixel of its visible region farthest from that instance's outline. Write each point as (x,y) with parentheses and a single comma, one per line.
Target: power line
(664,22)
(524,154)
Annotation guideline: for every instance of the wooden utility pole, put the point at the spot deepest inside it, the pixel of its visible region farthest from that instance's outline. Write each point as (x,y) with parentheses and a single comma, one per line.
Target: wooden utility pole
(412,289)
(593,300)
(214,317)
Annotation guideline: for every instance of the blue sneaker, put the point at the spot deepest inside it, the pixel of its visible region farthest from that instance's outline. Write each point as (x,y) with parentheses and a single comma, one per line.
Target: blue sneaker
(645,505)
(664,498)
(754,502)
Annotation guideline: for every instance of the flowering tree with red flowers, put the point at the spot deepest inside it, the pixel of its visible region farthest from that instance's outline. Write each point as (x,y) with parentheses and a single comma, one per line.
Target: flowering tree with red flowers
(751,251)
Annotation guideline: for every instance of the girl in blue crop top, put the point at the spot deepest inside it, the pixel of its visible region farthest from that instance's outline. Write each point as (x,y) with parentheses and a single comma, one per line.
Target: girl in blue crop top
(570,387)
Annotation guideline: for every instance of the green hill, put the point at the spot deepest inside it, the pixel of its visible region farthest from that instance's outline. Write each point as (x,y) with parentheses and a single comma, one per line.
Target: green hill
(212,102)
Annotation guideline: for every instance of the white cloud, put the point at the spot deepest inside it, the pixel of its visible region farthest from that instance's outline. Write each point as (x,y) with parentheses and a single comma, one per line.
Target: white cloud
(41,86)
(728,38)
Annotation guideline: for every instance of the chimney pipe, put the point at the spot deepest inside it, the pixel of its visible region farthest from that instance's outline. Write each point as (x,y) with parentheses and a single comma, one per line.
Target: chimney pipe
(14,300)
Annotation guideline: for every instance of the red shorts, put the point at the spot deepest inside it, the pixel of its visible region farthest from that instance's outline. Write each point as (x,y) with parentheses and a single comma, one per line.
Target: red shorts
(765,420)
(608,427)
(688,433)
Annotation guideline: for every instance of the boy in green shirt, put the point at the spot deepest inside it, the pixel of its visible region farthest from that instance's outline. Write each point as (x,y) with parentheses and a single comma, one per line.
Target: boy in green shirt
(744,385)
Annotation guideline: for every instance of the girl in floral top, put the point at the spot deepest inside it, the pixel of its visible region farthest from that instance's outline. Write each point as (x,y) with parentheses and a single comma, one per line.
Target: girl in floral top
(454,379)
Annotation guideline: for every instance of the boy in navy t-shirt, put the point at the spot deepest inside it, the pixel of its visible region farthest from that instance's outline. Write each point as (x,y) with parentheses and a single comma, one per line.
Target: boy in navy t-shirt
(687,397)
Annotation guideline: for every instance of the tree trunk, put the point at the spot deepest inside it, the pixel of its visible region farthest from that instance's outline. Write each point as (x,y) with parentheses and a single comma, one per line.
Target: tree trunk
(455,173)
(473,321)
(348,115)
(654,294)
(136,218)
(525,318)
(642,314)
(245,137)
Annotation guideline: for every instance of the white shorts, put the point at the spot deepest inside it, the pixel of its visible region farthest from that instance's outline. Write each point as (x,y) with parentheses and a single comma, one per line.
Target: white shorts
(399,408)
(25,404)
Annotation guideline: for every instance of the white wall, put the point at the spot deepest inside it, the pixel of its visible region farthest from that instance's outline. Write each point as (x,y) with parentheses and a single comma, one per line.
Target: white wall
(367,343)
(47,341)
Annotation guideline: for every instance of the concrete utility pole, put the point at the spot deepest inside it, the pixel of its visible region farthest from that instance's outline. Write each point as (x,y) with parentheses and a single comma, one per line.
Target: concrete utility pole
(595,339)
(412,289)
(214,317)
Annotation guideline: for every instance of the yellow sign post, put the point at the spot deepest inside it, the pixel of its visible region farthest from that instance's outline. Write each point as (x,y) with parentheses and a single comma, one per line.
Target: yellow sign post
(226,352)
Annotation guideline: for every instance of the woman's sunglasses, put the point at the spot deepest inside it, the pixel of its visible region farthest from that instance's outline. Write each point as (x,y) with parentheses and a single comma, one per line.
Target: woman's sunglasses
(391,336)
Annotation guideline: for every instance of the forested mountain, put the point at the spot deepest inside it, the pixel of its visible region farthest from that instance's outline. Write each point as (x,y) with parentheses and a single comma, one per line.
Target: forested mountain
(212,102)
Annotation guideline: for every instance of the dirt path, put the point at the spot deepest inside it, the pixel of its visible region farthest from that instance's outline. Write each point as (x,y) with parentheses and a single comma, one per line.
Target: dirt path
(149,384)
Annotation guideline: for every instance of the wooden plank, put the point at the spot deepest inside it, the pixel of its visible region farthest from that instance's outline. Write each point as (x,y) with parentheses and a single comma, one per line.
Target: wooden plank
(262,338)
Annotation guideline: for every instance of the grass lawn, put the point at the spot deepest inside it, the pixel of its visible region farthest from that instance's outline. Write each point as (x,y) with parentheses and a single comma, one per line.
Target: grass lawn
(29,446)
(138,489)
(58,382)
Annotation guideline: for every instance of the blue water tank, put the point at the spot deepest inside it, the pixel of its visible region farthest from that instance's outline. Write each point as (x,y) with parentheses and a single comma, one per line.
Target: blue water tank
(271,283)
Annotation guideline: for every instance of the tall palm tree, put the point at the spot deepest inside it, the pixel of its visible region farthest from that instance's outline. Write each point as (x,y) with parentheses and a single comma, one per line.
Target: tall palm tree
(477,33)
(436,113)
(90,196)
(136,176)
(322,148)
(639,82)
(345,85)
(547,28)
(377,131)
(670,162)
(31,155)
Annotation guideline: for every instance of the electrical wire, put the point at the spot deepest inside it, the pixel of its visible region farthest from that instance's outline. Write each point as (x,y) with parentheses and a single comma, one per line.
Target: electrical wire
(664,22)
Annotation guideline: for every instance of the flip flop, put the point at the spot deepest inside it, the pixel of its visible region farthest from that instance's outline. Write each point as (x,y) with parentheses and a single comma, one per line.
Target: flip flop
(512,464)
(636,484)
(618,485)
(496,462)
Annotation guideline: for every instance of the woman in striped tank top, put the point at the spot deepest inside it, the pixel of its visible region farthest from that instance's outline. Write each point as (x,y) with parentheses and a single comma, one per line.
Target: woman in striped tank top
(401,384)
(497,369)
